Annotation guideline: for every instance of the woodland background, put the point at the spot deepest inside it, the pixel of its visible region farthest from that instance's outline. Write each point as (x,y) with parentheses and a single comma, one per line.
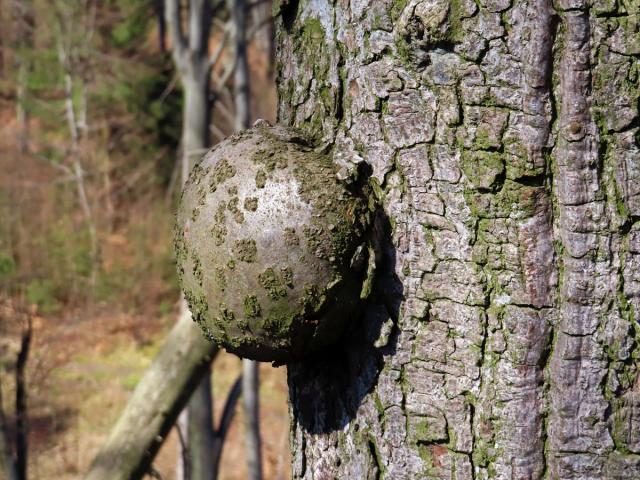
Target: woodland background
(90,122)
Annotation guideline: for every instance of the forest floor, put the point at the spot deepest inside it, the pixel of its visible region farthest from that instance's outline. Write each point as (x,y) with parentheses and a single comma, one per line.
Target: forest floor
(82,372)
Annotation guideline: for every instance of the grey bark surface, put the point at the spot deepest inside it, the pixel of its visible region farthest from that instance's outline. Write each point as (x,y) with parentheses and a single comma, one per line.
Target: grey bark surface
(200,435)
(251,403)
(503,141)
(154,407)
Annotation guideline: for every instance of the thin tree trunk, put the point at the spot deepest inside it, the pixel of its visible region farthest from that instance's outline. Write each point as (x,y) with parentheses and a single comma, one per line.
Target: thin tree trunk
(156,402)
(251,401)
(183,465)
(7,463)
(199,418)
(22,415)
(24,24)
(241,89)
(22,110)
(77,130)
(200,428)
(225,422)
(158,8)
(250,369)
(501,337)
(190,55)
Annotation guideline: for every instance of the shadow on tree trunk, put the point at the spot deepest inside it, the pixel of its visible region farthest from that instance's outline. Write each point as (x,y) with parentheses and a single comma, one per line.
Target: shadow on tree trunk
(327,388)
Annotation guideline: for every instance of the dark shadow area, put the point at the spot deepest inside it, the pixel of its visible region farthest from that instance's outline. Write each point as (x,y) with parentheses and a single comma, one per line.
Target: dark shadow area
(327,388)
(43,427)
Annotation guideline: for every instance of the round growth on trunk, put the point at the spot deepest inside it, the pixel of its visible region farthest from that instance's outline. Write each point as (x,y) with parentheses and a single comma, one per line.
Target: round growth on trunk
(265,239)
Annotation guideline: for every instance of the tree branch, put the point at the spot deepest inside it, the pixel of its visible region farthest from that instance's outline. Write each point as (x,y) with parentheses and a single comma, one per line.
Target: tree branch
(178,42)
(156,402)
(200,14)
(225,421)
(215,56)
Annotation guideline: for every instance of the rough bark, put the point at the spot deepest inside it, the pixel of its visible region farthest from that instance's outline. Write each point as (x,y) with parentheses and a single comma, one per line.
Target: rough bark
(502,139)
(155,405)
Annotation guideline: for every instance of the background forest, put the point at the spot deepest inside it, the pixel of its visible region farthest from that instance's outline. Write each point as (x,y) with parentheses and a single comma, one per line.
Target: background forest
(90,149)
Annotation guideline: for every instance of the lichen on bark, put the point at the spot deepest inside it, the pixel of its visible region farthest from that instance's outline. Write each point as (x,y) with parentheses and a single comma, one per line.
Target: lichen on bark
(503,143)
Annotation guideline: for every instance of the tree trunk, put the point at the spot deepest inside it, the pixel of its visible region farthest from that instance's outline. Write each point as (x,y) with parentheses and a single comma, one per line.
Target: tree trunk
(242,121)
(22,416)
(191,56)
(196,115)
(201,440)
(199,418)
(7,461)
(24,26)
(251,401)
(502,139)
(241,88)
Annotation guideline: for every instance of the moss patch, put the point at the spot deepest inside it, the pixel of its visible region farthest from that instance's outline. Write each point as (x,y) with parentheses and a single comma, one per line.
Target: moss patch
(245,250)
(251,306)
(273,283)
(251,204)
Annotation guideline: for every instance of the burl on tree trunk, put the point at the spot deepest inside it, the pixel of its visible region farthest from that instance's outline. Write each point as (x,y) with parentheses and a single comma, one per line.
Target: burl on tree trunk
(503,142)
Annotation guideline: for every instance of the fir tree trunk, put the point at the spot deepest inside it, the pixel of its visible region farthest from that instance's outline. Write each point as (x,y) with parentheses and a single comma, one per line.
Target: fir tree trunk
(503,140)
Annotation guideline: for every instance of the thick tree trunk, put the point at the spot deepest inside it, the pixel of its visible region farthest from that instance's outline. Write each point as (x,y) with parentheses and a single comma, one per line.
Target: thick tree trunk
(503,140)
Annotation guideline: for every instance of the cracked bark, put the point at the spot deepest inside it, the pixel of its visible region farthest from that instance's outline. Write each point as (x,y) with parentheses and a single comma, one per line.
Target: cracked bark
(503,141)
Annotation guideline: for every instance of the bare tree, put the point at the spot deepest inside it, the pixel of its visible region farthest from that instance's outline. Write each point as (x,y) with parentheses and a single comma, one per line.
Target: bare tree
(250,369)
(7,462)
(22,418)
(158,8)
(225,422)
(14,450)
(190,51)
(251,401)
(74,28)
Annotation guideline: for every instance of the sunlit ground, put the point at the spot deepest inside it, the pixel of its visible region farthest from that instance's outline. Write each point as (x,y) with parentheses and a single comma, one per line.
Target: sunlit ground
(84,370)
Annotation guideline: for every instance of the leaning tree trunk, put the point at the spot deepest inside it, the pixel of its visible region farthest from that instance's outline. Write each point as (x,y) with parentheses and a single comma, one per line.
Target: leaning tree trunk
(502,139)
